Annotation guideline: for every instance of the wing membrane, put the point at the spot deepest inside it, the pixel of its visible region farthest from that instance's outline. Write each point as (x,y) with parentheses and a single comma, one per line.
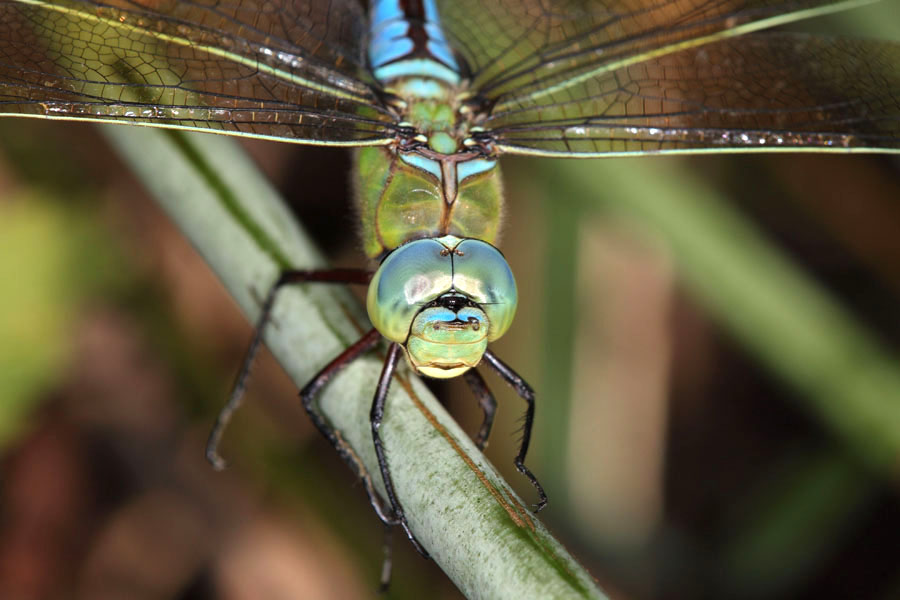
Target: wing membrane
(521,50)
(291,70)
(758,92)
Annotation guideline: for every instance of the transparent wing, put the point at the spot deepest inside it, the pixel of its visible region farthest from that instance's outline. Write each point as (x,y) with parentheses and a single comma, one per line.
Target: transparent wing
(754,93)
(600,77)
(287,69)
(517,48)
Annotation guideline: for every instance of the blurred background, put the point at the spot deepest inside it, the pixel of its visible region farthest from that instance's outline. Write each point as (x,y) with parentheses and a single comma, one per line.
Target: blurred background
(714,343)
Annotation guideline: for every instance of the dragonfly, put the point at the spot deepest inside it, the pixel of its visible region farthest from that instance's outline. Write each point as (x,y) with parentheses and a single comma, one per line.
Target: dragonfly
(432,93)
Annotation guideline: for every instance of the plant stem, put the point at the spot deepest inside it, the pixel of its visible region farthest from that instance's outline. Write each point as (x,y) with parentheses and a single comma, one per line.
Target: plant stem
(469,519)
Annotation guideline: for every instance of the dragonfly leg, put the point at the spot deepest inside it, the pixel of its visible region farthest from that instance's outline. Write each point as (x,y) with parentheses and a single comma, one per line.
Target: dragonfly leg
(240,383)
(308,395)
(375,417)
(526,393)
(487,402)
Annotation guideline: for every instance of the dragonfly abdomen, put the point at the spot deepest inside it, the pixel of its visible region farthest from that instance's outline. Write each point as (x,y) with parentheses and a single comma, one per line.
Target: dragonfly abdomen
(407,40)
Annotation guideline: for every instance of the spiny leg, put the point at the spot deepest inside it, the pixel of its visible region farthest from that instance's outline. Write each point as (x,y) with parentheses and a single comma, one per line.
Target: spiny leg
(240,384)
(487,402)
(526,393)
(375,417)
(308,396)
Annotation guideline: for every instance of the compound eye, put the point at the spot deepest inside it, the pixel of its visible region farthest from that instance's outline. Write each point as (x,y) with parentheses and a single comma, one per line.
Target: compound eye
(409,278)
(481,273)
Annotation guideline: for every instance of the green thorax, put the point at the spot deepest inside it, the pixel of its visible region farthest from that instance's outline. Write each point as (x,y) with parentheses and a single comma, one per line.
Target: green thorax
(405,195)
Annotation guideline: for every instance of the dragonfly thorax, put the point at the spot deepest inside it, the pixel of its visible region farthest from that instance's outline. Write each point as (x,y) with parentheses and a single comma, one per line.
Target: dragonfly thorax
(431,108)
(406,195)
(443,299)
(406,192)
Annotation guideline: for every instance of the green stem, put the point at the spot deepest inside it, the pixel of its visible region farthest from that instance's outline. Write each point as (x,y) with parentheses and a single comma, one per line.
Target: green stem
(468,518)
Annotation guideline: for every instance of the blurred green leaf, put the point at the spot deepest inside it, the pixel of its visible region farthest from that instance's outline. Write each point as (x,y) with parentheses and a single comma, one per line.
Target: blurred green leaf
(792,326)
(790,523)
(52,257)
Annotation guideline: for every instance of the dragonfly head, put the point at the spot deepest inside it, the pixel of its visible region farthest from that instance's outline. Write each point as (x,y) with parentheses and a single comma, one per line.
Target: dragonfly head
(443,299)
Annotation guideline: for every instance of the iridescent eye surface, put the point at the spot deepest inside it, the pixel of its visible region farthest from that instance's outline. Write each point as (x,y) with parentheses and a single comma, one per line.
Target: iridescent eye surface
(483,275)
(409,278)
(444,299)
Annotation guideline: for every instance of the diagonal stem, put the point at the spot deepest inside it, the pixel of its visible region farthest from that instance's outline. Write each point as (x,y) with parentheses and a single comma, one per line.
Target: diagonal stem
(462,511)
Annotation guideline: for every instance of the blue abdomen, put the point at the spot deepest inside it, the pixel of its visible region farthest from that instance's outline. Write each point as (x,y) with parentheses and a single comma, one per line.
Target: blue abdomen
(406,40)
